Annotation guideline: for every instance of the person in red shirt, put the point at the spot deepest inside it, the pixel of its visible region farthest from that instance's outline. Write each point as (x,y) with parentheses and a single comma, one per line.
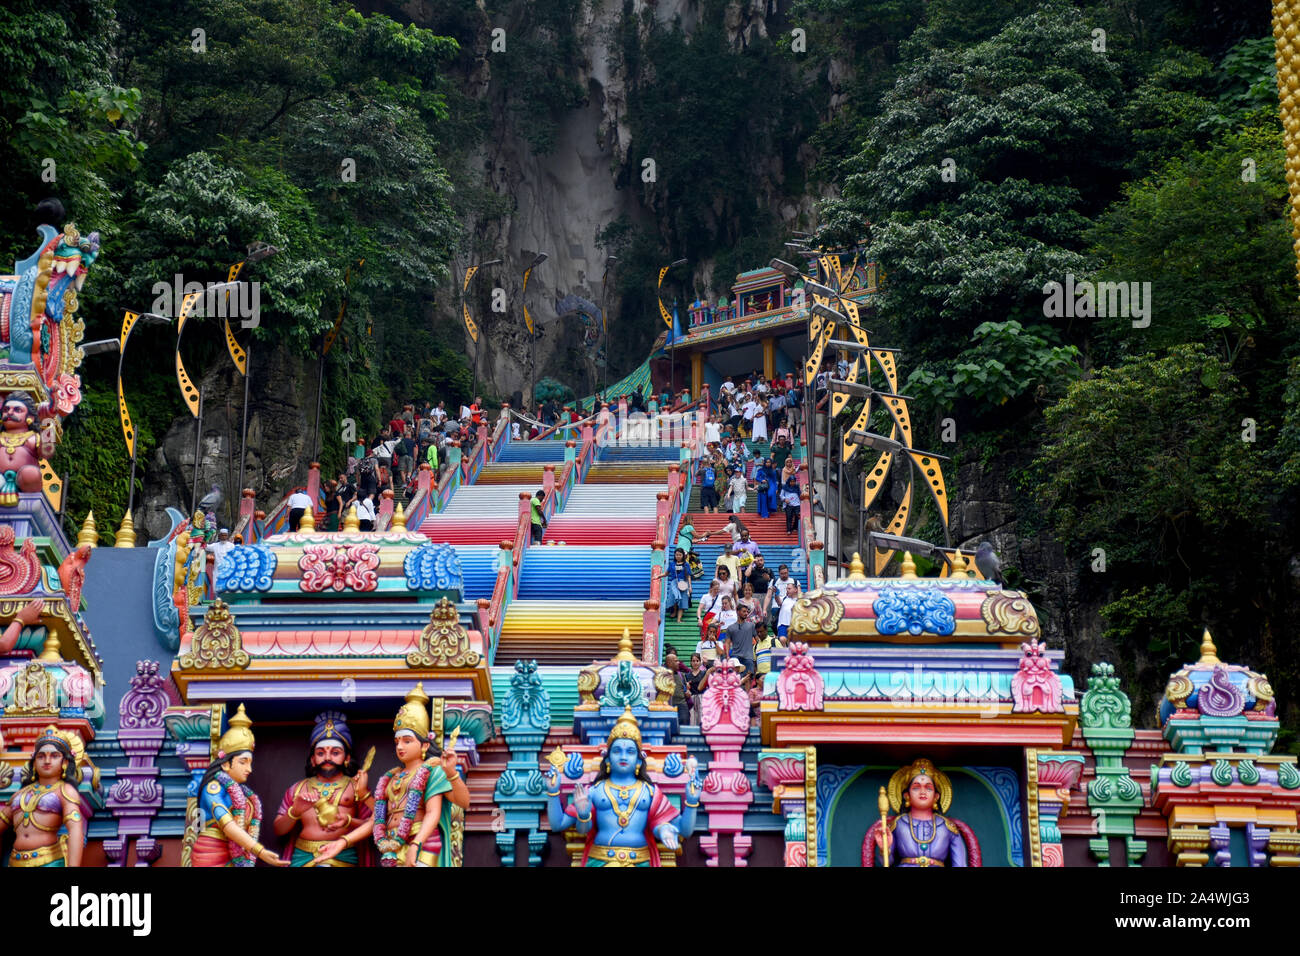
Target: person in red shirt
(476,411)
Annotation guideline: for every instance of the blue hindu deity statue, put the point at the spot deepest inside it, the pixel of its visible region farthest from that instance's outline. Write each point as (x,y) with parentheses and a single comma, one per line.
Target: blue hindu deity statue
(920,836)
(623,812)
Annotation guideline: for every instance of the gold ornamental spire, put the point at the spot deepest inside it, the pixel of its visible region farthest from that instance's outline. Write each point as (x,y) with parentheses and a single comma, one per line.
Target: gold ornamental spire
(625,647)
(857,570)
(89,534)
(909,566)
(125,533)
(1209,653)
(399,518)
(351,522)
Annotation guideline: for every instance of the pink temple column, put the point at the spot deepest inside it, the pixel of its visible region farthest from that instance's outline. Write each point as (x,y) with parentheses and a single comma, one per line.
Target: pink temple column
(548,478)
(385,515)
(313,483)
(425,480)
(727,793)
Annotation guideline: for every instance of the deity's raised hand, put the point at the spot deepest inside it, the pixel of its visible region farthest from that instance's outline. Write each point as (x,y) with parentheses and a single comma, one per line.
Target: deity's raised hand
(449,760)
(360,785)
(694,788)
(553,782)
(581,802)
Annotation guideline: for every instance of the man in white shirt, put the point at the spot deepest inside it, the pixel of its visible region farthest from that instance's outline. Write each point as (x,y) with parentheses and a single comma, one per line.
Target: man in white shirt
(366,513)
(219,549)
(776,591)
(299,502)
(787,609)
(439,414)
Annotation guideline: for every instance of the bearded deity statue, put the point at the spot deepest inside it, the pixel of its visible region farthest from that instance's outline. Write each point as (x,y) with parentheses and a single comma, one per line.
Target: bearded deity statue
(332,801)
(21,448)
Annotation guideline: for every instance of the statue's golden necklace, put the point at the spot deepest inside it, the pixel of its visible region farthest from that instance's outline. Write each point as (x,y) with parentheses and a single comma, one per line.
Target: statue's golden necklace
(626,801)
(12,441)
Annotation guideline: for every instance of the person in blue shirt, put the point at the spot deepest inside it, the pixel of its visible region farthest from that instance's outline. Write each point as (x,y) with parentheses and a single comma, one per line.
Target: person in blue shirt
(677,590)
(708,479)
(767,482)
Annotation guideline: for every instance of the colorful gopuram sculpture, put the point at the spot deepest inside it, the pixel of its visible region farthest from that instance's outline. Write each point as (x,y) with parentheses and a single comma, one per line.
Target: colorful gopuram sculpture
(332,801)
(919,836)
(47,814)
(623,813)
(1229,802)
(230,810)
(39,355)
(412,821)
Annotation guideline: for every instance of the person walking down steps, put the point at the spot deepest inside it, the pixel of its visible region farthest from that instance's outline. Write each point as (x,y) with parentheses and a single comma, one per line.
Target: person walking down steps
(538,518)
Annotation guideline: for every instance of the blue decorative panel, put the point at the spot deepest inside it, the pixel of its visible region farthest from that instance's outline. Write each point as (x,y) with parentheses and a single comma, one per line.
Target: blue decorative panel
(246,567)
(433,567)
(915,610)
(1006,784)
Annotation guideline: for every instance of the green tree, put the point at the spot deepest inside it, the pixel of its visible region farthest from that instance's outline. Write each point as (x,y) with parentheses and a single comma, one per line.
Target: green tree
(978,178)
(1146,462)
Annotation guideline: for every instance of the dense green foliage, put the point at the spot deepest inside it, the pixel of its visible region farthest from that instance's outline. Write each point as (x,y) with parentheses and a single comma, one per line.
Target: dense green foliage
(186,132)
(1166,454)
(982,148)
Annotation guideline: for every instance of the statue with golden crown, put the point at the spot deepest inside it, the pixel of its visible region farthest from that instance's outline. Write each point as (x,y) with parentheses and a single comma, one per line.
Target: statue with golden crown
(332,801)
(919,836)
(47,814)
(624,813)
(411,824)
(229,811)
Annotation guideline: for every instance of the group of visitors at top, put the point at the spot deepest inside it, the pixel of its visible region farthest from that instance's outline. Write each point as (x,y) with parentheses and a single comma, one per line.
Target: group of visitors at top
(390,461)
(724,473)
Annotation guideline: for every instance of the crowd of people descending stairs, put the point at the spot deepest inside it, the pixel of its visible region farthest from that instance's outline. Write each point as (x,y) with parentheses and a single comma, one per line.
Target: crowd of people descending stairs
(729,613)
(728,604)
(391,460)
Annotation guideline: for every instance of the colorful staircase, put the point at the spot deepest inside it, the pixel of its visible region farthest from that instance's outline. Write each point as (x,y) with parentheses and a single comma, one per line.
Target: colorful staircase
(566,631)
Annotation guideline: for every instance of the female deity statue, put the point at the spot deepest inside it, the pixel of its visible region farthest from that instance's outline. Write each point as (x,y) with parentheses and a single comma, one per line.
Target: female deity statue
(624,812)
(411,824)
(231,812)
(920,837)
(21,448)
(46,803)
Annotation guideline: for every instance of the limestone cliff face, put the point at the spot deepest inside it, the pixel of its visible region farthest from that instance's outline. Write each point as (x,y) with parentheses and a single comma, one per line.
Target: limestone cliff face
(281,416)
(558,201)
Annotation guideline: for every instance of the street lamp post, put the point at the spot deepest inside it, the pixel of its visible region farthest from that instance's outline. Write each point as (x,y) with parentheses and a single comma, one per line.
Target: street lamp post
(668,320)
(257,251)
(610,261)
(528,323)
